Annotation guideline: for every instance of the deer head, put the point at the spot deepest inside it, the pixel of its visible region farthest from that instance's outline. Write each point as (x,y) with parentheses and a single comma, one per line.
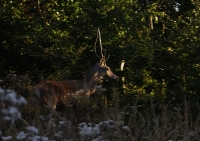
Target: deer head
(103,69)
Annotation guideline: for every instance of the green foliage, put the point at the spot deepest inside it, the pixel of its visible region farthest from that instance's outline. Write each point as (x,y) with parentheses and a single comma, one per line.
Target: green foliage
(157,39)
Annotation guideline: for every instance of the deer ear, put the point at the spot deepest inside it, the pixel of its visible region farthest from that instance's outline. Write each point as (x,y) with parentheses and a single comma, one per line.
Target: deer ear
(102,61)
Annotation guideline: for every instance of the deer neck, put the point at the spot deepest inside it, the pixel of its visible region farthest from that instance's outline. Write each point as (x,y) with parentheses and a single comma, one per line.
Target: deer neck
(89,81)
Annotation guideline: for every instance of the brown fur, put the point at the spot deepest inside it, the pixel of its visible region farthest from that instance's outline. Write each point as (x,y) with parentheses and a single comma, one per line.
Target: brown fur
(49,93)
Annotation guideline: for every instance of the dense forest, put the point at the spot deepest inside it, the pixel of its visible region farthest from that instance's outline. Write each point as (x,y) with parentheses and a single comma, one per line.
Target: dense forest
(157,40)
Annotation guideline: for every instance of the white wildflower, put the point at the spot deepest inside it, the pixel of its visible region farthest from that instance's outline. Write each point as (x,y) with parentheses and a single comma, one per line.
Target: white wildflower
(44,139)
(32,129)
(21,100)
(10,97)
(11,113)
(21,135)
(7,138)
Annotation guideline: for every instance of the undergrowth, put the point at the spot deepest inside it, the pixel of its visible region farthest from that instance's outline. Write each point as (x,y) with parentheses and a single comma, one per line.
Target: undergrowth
(20,120)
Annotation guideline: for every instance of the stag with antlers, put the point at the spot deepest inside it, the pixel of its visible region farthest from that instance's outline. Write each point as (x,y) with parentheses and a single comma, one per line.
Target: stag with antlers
(49,93)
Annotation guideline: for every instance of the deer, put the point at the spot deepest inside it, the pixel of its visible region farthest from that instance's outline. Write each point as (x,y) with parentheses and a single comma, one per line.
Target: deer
(50,93)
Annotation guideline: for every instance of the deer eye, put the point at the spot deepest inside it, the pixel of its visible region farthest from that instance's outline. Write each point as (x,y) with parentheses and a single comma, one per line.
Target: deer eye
(107,68)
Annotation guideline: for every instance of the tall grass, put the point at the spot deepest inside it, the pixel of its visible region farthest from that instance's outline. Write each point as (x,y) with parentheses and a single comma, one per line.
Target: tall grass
(21,121)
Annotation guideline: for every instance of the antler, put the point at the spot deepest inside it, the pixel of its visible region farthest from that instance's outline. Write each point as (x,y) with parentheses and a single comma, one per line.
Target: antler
(100,42)
(95,51)
(98,36)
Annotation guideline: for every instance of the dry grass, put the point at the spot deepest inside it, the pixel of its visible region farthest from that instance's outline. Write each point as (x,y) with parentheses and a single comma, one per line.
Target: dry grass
(164,125)
(95,121)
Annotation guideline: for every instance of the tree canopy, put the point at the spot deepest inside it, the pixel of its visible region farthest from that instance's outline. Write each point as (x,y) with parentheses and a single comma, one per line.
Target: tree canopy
(157,39)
